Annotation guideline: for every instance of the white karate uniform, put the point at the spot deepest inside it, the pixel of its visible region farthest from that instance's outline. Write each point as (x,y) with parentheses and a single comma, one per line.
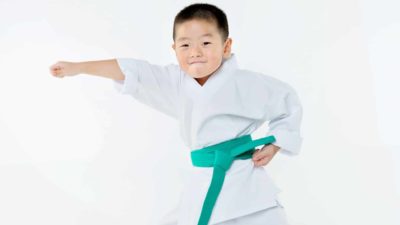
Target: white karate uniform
(233,102)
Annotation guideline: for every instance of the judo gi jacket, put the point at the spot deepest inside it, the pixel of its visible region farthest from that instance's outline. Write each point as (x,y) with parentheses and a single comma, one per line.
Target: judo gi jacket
(233,102)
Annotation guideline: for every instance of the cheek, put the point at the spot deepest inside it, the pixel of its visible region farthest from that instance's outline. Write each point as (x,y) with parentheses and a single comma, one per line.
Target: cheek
(213,54)
(181,59)
(216,59)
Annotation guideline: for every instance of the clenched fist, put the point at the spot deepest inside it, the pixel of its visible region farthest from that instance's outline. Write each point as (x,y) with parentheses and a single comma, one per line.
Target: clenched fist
(62,69)
(261,157)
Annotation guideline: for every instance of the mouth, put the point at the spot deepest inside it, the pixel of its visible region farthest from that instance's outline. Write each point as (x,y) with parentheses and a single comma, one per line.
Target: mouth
(196,62)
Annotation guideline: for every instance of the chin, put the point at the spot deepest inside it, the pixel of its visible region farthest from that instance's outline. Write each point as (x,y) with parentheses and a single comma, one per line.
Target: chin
(196,75)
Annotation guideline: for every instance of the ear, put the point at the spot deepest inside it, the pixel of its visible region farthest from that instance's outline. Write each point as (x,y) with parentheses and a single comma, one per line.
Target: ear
(173,46)
(227,48)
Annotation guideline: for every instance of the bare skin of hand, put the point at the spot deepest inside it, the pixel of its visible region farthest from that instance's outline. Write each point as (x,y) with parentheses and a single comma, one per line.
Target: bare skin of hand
(261,157)
(62,69)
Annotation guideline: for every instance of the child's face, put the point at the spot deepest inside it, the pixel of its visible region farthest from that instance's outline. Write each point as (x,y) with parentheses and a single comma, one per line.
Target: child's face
(199,47)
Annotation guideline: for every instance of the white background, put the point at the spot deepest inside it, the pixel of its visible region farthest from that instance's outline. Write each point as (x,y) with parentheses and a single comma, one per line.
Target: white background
(73,151)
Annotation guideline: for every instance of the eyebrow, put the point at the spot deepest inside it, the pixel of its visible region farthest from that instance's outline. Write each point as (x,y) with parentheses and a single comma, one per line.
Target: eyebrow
(186,38)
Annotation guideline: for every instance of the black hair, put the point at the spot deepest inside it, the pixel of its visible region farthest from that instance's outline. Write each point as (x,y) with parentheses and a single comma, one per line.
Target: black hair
(203,11)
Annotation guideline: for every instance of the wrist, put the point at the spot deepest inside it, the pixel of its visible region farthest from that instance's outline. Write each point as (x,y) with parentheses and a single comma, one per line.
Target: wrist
(276,148)
(80,67)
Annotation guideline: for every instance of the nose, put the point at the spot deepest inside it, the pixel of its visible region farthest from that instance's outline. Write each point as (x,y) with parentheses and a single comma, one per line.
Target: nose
(195,51)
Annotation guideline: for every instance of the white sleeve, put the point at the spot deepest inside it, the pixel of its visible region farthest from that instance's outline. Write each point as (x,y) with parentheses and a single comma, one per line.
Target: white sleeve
(153,85)
(284,114)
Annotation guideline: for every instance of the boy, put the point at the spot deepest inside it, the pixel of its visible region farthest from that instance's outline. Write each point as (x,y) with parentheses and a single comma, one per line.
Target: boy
(218,106)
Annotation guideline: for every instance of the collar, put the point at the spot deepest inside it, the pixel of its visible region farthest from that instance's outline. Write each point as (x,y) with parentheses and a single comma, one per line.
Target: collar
(226,69)
(229,63)
(227,66)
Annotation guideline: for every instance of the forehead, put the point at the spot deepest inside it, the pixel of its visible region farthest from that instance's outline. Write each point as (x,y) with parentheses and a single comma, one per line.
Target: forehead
(196,29)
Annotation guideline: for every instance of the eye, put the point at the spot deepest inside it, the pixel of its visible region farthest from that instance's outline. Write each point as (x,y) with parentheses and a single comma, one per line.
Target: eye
(185,45)
(206,43)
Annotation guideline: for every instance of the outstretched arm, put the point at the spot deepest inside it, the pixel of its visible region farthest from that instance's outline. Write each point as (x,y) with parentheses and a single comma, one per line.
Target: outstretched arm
(103,68)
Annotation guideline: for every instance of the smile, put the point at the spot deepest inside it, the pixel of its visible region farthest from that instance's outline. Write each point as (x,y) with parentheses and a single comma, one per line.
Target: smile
(196,63)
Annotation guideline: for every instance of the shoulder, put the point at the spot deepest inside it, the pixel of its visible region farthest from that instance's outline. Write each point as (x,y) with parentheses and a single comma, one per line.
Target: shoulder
(258,80)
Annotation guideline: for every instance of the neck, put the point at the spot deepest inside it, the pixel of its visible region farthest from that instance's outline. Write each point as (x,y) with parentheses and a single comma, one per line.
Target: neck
(202,80)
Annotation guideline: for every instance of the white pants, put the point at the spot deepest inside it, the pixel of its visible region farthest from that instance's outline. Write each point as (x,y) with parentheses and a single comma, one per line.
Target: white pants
(271,216)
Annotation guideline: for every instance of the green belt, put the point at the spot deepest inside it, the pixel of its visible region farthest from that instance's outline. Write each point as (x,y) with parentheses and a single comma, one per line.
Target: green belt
(221,156)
